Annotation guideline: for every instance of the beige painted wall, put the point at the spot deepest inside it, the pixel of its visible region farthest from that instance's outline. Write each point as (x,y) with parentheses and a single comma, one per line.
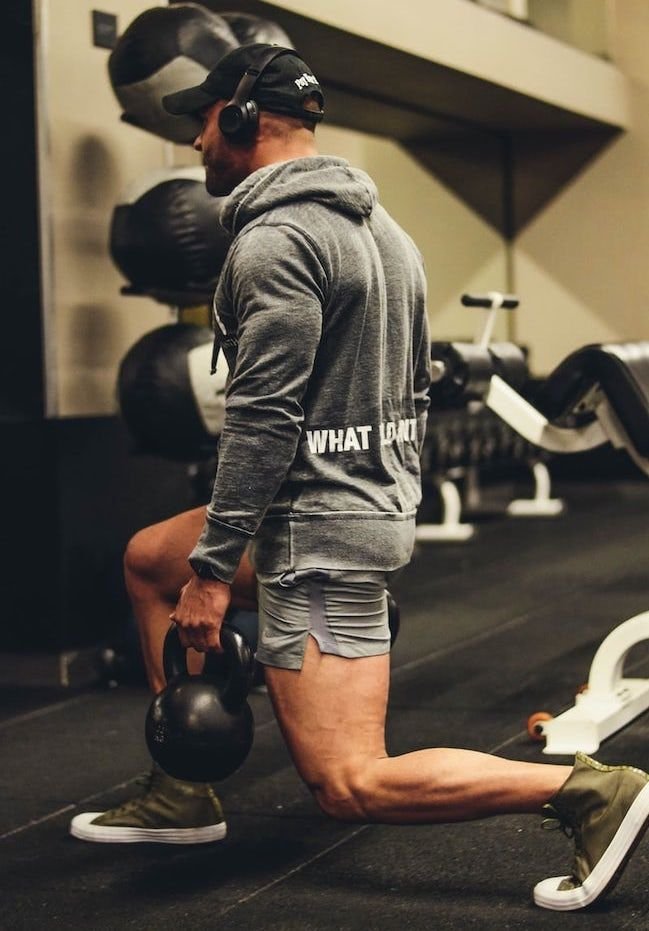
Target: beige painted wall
(461,252)
(92,159)
(88,159)
(472,39)
(580,23)
(581,268)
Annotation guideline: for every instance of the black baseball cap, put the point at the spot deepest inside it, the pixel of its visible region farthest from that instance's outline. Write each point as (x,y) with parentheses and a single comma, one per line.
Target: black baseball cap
(283,87)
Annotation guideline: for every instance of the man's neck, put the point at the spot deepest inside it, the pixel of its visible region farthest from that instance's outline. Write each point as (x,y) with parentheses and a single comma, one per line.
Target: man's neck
(270,151)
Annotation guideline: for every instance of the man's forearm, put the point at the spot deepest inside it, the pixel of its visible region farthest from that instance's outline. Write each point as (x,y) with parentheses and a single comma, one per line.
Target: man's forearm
(254,459)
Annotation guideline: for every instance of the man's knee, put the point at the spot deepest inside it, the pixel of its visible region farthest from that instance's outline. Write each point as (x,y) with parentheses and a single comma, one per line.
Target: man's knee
(141,556)
(346,793)
(158,554)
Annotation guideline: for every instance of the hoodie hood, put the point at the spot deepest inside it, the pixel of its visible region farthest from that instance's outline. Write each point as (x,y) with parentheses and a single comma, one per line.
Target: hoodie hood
(318,179)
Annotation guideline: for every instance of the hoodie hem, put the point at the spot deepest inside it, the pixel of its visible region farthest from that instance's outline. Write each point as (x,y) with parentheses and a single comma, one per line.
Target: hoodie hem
(371,542)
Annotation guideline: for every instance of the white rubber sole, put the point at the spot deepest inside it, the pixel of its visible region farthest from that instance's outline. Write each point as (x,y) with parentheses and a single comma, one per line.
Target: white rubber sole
(607,871)
(81,827)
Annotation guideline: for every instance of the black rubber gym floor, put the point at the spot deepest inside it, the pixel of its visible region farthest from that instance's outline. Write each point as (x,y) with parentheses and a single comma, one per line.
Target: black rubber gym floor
(492,631)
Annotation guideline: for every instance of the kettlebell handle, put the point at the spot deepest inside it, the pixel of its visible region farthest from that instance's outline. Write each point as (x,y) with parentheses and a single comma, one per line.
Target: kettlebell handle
(232,671)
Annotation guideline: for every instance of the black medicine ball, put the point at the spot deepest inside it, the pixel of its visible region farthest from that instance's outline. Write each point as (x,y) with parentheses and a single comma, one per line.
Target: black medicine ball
(250,29)
(164,50)
(166,237)
(170,403)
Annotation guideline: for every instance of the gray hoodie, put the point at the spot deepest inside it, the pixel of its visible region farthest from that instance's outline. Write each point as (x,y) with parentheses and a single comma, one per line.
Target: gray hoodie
(320,311)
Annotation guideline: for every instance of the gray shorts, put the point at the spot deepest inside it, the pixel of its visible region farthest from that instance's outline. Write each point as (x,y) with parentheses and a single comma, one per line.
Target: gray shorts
(345,616)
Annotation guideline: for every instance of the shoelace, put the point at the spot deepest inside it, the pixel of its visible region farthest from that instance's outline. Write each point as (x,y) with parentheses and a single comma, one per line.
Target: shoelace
(556,823)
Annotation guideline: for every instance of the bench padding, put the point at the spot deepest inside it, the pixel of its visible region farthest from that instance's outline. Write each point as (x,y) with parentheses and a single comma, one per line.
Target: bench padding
(621,370)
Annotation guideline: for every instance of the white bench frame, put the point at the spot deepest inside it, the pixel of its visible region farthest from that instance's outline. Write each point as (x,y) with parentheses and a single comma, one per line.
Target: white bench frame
(610,701)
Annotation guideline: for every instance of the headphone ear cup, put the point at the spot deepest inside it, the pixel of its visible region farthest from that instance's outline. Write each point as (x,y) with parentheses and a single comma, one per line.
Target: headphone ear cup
(239,122)
(231,119)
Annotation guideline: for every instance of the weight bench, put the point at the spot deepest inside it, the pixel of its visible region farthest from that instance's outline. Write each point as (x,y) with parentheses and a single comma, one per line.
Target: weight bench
(598,394)
(461,374)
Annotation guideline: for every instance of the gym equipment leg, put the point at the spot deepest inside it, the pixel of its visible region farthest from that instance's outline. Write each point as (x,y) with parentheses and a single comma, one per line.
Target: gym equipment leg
(450,529)
(541,505)
(610,700)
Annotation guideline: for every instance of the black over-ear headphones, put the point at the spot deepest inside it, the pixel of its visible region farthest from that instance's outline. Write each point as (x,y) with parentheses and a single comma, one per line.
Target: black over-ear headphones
(239,118)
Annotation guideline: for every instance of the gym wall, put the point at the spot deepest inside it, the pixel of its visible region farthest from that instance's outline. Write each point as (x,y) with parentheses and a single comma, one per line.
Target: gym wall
(21,389)
(581,266)
(584,24)
(461,251)
(575,267)
(77,461)
(71,491)
(88,158)
(93,157)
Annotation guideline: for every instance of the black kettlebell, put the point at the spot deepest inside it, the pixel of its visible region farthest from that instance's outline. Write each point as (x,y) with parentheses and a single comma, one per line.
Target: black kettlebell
(200,727)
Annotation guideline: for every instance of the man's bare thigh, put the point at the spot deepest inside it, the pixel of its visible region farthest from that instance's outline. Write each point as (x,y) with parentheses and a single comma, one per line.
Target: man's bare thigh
(331,711)
(163,550)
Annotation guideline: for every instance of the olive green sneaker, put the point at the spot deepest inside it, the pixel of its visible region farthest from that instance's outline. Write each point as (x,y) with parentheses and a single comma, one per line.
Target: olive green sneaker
(169,812)
(605,809)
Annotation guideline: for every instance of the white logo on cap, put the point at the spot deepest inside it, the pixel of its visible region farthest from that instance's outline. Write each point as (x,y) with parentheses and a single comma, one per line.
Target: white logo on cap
(305,79)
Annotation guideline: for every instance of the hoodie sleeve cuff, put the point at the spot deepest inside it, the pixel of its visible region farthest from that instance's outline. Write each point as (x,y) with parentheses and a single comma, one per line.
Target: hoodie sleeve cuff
(219,548)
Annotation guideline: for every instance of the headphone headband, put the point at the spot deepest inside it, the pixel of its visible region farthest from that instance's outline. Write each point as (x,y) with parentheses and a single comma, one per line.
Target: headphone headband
(239,119)
(254,72)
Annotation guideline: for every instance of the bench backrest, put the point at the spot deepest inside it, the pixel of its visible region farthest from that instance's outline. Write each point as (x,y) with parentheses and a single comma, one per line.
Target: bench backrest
(620,370)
